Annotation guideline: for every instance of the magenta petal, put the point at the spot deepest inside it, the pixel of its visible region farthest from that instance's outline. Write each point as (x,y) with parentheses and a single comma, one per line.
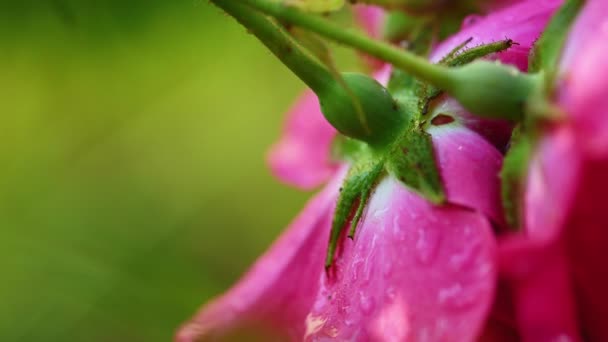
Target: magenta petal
(370,18)
(496,131)
(551,185)
(414,272)
(536,261)
(302,156)
(587,241)
(543,294)
(278,291)
(585,76)
(522,22)
(469,168)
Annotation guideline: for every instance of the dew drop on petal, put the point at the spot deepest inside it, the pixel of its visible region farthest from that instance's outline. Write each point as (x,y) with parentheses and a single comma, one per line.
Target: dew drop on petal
(426,245)
(456,297)
(464,258)
(366,303)
(398,231)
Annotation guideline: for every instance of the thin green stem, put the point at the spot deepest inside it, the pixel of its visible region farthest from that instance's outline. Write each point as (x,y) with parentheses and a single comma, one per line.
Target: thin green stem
(280,43)
(438,76)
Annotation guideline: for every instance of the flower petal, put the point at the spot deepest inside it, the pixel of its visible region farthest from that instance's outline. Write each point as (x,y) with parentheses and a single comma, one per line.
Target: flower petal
(371,18)
(522,22)
(496,131)
(414,272)
(536,261)
(469,168)
(302,156)
(586,238)
(278,291)
(543,294)
(585,76)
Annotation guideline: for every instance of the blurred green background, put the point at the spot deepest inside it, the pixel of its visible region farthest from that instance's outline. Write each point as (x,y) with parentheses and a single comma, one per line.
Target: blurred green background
(133,184)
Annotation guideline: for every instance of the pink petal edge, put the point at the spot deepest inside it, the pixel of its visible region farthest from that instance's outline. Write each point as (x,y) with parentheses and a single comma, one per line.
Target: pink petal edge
(277,290)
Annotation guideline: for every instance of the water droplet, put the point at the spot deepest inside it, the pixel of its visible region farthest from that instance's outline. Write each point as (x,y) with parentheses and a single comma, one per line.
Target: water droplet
(332,332)
(356,268)
(456,297)
(313,324)
(427,244)
(366,302)
(465,258)
(471,20)
(397,231)
(378,214)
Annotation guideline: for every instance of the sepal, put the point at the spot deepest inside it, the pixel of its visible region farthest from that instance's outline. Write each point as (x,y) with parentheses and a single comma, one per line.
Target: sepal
(513,175)
(354,195)
(412,161)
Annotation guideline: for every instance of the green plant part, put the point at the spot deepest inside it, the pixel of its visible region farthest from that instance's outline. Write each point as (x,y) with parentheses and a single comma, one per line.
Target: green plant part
(546,52)
(459,57)
(484,88)
(543,61)
(412,161)
(512,176)
(354,194)
(375,117)
(319,6)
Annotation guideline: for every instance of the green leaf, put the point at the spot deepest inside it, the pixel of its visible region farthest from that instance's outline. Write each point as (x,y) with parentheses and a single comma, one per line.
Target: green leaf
(354,195)
(412,161)
(512,175)
(316,6)
(546,52)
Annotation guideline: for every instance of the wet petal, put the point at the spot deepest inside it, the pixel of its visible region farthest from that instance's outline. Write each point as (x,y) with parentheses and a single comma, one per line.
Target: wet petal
(278,291)
(469,168)
(415,272)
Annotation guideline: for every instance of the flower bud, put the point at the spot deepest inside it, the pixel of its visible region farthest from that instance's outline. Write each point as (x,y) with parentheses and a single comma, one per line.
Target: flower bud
(361,108)
(493,90)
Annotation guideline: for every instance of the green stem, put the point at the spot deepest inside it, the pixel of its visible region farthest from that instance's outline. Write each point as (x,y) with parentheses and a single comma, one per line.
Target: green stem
(298,60)
(438,76)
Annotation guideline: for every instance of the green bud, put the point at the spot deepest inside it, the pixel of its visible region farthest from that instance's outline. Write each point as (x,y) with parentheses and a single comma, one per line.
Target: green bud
(361,108)
(491,89)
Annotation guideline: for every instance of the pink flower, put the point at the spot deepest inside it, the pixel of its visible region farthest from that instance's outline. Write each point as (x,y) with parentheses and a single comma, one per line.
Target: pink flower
(413,269)
(555,265)
(416,271)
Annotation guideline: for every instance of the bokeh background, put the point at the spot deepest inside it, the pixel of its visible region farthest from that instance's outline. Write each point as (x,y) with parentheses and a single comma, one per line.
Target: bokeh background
(133,185)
